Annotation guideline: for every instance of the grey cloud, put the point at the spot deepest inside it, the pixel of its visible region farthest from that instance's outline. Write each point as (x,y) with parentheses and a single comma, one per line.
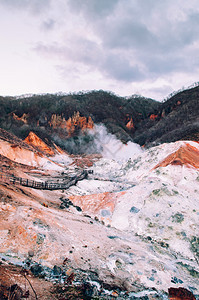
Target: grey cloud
(35,6)
(131,34)
(132,27)
(164,64)
(48,51)
(48,24)
(128,34)
(85,51)
(93,8)
(91,54)
(78,51)
(165,89)
(185,61)
(120,68)
(167,51)
(174,51)
(179,36)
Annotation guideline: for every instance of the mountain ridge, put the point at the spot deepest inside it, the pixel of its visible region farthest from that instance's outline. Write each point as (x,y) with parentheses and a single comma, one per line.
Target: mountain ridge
(139,119)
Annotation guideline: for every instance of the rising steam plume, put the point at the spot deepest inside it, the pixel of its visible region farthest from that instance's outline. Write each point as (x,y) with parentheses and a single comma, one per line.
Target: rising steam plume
(98,140)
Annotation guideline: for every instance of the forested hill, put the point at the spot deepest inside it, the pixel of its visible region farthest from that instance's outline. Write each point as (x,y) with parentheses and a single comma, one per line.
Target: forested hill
(135,118)
(49,114)
(176,119)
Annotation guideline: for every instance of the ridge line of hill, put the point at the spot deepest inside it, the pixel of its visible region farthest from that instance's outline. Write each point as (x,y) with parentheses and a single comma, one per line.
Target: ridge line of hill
(63,118)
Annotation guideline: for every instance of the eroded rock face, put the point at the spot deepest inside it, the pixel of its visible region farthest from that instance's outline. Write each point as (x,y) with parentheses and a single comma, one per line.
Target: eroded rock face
(130,124)
(24,153)
(74,123)
(23,118)
(20,154)
(101,205)
(33,140)
(153,117)
(85,161)
(180,294)
(186,155)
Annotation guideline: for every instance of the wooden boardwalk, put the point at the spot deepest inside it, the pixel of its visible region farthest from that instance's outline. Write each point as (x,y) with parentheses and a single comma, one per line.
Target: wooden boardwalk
(45,185)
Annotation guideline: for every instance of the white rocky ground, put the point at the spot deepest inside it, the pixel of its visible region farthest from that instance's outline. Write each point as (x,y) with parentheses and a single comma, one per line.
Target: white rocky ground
(144,236)
(161,206)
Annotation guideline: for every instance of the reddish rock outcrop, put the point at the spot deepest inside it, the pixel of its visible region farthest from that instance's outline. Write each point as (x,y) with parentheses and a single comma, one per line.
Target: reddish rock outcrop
(33,140)
(15,141)
(180,294)
(186,155)
(130,124)
(72,124)
(58,149)
(24,118)
(84,161)
(153,117)
(94,203)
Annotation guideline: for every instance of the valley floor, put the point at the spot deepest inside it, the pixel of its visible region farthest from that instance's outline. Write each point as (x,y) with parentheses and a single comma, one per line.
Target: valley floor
(129,230)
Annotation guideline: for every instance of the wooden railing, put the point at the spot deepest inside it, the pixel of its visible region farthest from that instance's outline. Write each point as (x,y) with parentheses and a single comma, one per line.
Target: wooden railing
(45,185)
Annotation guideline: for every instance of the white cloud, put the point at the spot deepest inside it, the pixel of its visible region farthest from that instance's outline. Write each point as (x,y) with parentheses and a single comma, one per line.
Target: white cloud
(124,46)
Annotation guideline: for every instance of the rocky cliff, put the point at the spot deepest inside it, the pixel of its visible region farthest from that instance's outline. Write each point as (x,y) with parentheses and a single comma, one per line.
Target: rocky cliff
(33,140)
(73,125)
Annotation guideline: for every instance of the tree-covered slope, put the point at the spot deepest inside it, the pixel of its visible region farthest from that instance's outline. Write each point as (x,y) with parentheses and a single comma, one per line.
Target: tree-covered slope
(46,114)
(142,120)
(177,118)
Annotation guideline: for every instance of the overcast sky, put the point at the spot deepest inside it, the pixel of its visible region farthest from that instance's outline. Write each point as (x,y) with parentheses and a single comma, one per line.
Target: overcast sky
(147,47)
